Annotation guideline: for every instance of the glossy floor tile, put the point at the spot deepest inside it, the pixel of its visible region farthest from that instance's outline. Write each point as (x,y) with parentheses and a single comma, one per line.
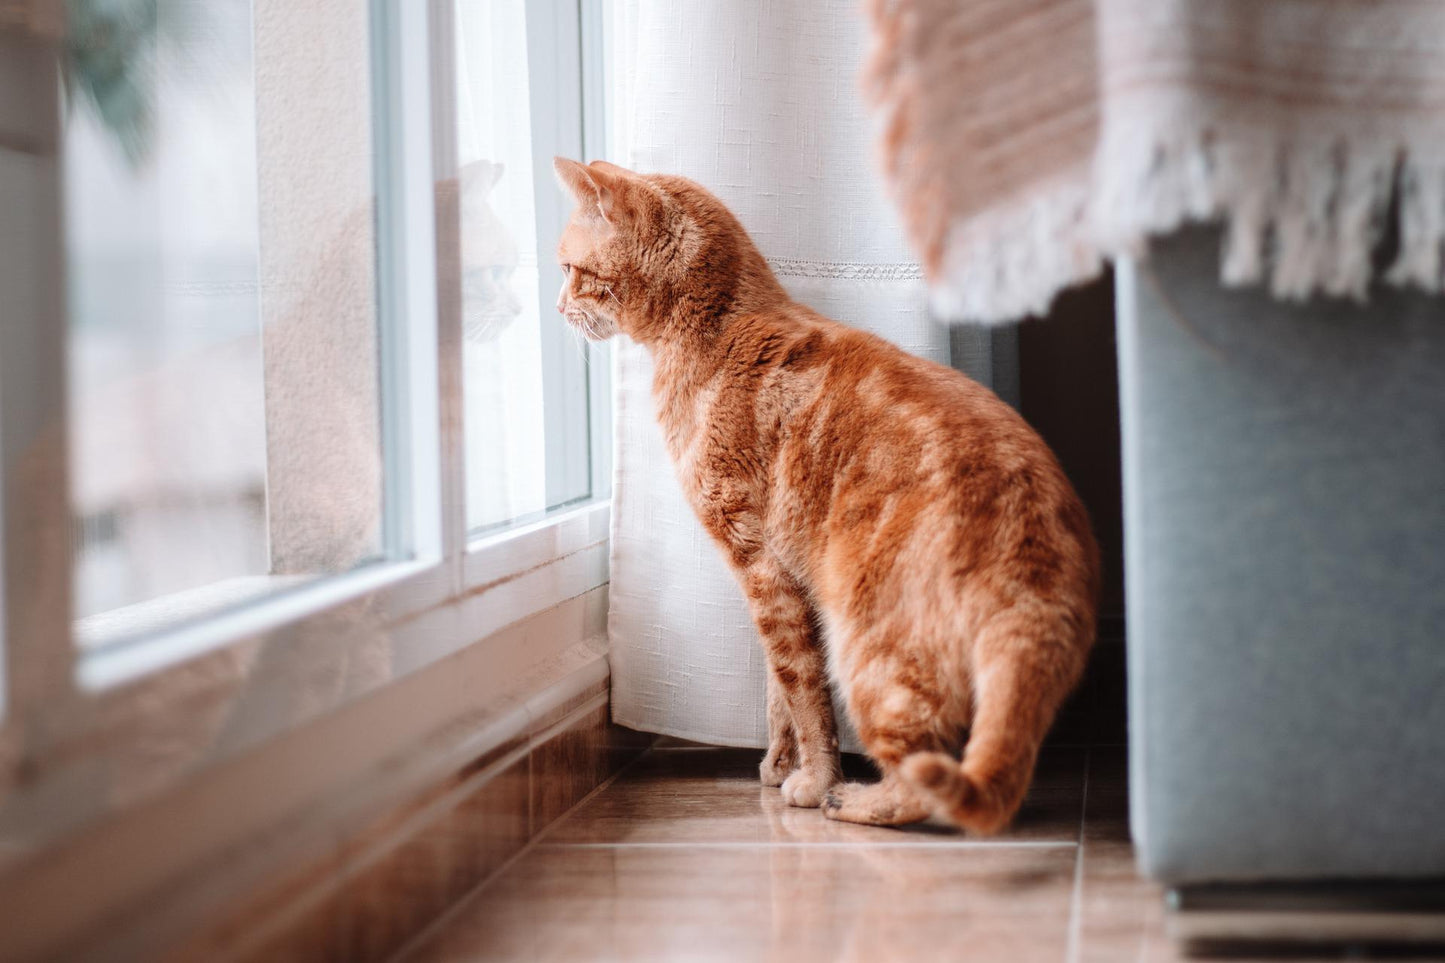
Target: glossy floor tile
(699,795)
(785,903)
(686,857)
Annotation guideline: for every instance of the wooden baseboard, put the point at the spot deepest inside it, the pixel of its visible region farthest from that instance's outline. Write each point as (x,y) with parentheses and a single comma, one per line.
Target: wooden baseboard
(342,840)
(383,885)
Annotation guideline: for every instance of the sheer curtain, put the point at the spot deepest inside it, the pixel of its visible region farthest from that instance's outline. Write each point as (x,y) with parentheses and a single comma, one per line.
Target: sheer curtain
(501,304)
(760,103)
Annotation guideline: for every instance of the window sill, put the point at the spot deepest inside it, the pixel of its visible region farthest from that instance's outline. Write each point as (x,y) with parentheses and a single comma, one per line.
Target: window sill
(122,646)
(173,705)
(128,643)
(133,623)
(516,551)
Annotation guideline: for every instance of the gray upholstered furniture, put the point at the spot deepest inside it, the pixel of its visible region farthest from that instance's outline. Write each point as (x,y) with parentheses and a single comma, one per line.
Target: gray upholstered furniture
(1284,473)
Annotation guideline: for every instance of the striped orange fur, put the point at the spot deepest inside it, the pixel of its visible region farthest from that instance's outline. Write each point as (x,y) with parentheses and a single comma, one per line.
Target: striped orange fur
(896,528)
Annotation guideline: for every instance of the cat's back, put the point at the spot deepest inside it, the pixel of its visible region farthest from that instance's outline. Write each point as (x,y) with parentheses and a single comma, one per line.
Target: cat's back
(833,407)
(874,393)
(877,433)
(796,377)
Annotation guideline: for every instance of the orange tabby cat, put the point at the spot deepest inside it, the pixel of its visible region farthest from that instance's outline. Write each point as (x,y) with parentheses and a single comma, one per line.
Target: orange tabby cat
(893,524)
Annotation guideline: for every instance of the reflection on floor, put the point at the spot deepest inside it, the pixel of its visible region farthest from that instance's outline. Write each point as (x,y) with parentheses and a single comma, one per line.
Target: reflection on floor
(686,857)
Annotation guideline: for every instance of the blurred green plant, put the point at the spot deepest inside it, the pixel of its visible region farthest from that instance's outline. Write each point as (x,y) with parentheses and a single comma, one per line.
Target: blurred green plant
(110,68)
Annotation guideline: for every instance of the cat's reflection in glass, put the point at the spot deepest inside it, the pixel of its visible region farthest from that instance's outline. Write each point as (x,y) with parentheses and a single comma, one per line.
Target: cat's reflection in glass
(489,257)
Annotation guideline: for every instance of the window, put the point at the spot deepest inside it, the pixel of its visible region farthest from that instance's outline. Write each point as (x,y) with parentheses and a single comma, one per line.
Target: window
(237,478)
(232,432)
(235,455)
(220,250)
(535,393)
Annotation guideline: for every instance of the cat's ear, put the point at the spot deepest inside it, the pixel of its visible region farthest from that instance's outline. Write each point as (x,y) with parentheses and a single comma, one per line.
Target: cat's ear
(574,178)
(609,169)
(596,190)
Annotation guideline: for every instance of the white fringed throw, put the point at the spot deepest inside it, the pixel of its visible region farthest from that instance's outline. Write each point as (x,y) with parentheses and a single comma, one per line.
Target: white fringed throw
(1028,141)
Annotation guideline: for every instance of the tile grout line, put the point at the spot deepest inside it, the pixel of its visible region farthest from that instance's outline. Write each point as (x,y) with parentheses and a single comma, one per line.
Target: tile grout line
(1044,749)
(1073,947)
(841,844)
(1143,942)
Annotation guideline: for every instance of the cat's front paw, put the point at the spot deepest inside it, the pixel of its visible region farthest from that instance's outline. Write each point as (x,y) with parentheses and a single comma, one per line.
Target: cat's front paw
(807,787)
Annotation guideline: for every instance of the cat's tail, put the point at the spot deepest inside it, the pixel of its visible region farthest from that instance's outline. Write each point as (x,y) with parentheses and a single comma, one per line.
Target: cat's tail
(1018,689)
(979,797)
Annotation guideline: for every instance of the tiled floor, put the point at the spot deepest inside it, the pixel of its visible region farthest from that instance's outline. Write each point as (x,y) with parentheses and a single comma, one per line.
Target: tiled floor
(687,857)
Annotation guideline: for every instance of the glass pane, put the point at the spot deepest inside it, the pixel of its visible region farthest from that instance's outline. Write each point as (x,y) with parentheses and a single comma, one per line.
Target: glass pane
(223,385)
(527,445)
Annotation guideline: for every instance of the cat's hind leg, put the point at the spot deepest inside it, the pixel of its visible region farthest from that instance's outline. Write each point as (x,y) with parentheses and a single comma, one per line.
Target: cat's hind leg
(897,712)
(892,802)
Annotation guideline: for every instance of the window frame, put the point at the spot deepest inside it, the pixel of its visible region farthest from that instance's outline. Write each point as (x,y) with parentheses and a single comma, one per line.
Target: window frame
(67,713)
(33,483)
(598,108)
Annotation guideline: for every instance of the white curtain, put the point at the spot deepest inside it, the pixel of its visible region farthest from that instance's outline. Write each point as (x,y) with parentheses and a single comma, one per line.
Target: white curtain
(759,102)
(502,308)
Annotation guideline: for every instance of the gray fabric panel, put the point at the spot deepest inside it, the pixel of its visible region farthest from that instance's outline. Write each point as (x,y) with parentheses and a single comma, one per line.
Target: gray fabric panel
(988,355)
(1285,518)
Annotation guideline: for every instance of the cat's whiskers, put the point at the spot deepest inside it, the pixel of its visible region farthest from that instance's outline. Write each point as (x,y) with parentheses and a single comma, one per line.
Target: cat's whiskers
(579,338)
(588,326)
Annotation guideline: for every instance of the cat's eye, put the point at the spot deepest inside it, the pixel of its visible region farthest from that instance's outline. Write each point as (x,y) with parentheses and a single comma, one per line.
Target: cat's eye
(567,270)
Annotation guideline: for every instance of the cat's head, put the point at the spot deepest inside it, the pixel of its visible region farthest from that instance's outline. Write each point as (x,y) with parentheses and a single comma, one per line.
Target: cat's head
(638,244)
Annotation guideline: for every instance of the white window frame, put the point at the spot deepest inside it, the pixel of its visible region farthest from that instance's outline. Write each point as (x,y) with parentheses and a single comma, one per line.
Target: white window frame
(67,712)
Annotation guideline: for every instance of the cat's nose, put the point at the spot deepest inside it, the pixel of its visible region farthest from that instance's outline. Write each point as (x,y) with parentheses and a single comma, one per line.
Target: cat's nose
(562,299)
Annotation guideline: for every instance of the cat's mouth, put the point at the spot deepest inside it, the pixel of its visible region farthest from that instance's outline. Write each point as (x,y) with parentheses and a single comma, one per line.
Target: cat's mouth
(593,327)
